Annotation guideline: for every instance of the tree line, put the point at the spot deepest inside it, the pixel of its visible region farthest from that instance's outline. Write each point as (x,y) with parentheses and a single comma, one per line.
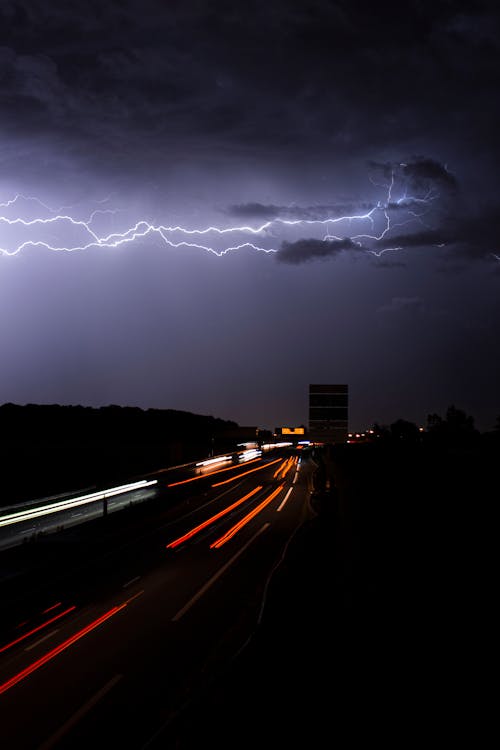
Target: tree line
(455,429)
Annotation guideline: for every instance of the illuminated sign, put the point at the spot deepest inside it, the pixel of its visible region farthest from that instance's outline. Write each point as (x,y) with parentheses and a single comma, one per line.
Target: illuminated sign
(292,430)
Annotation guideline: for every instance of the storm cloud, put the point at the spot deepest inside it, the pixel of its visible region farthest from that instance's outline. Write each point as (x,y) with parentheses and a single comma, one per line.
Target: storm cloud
(218,167)
(306,250)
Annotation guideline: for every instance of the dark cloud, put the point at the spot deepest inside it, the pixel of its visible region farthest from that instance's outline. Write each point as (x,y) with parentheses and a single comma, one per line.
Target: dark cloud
(422,173)
(290,110)
(306,213)
(255,211)
(437,217)
(425,238)
(473,237)
(305,250)
(146,79)
(476,235)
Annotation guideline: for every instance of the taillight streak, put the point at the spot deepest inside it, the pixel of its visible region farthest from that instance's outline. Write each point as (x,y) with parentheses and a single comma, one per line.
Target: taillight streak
(211,520)
(39,627)
(209,474)
(58,649)
(244,473)
(234,529)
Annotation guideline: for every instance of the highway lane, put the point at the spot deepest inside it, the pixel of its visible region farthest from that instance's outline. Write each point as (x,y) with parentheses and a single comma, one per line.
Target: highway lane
(150,623)
(29,521)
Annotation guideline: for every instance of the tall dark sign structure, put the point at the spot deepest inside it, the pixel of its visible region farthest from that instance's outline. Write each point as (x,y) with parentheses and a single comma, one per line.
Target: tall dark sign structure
(328,413)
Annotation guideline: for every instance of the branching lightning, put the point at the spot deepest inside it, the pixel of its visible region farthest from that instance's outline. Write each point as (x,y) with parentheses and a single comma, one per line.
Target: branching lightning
(62,232)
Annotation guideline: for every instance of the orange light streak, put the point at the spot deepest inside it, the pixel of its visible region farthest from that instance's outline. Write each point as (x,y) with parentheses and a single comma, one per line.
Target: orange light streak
(283,470)
(39,627)
(58,649)
(280,468)
(287,468)
(234,529)
(209,473)
(211,520)
(250,471)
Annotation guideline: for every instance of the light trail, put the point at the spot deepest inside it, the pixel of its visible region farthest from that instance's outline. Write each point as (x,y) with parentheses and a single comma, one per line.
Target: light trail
(243,522)
(37,629)
(244,473)
(283,470)
(59,649)
(44,510)
(206,474)
(284,501)
(211,520)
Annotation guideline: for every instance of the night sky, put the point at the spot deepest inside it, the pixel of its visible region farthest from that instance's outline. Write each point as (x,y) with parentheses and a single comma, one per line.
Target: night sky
(207,206)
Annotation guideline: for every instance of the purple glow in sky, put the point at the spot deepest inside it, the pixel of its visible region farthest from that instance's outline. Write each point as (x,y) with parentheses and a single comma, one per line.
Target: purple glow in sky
(207,207)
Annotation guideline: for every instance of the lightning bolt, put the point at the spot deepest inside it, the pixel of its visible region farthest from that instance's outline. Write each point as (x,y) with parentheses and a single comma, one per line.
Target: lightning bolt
(60,231)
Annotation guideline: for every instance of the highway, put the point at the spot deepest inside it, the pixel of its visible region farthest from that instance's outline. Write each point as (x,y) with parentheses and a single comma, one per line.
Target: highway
(112,627)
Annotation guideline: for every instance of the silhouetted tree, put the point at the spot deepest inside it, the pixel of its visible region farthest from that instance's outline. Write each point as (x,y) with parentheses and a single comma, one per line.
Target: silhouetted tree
(402,430)
(456,429)
(381,432)
(434,424)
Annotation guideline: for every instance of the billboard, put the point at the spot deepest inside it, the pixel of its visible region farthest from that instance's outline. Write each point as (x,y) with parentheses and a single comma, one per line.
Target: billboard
(328,413)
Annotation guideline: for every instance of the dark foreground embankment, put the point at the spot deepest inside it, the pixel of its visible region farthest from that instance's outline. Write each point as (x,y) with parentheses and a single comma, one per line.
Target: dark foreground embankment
(377,624)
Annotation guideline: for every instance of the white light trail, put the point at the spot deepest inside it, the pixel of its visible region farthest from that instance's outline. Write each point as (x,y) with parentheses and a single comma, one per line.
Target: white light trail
(44,510)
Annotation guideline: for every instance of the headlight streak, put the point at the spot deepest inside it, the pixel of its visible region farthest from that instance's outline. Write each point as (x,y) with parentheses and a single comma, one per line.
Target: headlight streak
(214,461)
(37,629)
(207,474)
(44,510)
(247,456)
(176,542)
(234,529)
(244,473)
